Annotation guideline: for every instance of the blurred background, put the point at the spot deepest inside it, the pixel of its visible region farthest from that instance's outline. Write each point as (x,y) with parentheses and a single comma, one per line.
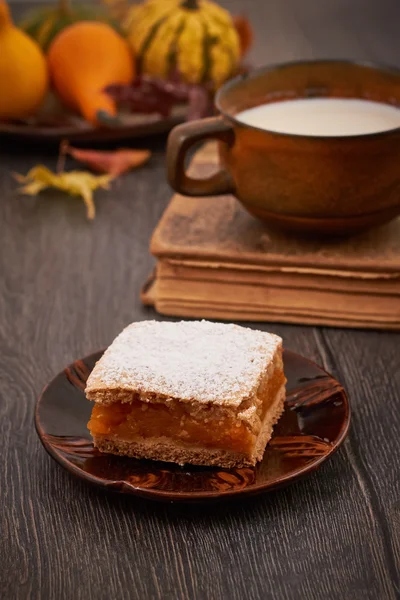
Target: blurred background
(292,29)
(329,28)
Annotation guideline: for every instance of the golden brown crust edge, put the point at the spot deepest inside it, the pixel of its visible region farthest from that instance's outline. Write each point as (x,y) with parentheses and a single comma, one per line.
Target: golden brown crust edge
(164,450)
(108,396)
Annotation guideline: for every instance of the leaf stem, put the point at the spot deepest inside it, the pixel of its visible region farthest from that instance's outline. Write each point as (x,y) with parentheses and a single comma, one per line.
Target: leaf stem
(62,156)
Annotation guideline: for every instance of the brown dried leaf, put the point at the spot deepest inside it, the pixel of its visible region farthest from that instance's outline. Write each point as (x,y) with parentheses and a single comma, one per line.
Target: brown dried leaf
(200,103)
(152,95)
(245,33)
(113,162)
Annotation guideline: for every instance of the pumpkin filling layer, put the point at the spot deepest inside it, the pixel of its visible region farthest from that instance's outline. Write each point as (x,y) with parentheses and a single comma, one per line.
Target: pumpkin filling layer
(205,425)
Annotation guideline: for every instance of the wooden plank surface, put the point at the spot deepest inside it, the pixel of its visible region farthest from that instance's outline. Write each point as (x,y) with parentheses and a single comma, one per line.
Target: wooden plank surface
(68,286)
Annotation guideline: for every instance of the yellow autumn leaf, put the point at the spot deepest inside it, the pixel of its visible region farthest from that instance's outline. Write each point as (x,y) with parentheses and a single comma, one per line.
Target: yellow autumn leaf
(74,183)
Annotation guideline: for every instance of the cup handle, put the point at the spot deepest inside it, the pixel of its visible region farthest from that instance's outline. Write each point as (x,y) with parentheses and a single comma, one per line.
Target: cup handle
(180,140)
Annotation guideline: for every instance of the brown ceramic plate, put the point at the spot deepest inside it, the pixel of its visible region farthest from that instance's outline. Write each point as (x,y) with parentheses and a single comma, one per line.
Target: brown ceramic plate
(134,126)
(314,424)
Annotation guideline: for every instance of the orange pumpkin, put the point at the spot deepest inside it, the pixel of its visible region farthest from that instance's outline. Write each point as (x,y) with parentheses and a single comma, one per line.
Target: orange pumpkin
(84,59)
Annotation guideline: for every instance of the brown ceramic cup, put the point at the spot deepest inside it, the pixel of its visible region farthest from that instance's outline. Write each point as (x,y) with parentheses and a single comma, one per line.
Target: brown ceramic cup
(299,182)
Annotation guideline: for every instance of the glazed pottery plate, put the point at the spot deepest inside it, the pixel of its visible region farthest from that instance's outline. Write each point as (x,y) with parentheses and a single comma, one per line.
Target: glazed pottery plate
(133,126)
(314,424)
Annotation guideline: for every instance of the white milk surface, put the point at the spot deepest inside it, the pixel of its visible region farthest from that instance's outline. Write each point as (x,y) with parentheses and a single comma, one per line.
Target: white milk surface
(323,116)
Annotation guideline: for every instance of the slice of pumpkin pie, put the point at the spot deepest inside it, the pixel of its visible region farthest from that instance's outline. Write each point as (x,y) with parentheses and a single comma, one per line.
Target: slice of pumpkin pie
(188,392)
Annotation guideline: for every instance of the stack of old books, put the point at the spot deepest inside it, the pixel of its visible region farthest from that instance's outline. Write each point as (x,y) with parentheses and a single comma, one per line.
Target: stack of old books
(215,261)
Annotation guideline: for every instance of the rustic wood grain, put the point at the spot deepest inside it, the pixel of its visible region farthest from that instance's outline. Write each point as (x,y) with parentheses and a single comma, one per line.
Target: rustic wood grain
(68,286)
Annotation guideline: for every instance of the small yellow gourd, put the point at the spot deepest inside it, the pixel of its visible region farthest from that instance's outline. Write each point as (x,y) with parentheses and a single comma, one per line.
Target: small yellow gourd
(197,38)
(23,70)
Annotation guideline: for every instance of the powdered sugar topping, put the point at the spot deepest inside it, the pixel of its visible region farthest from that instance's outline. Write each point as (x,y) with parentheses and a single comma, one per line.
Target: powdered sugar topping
(192,360)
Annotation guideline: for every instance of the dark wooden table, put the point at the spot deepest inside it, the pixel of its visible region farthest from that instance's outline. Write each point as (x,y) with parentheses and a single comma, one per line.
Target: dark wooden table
(68,286)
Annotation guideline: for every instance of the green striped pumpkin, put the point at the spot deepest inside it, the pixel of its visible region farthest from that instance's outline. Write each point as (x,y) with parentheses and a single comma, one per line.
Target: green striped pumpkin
(43,24)
(195,37)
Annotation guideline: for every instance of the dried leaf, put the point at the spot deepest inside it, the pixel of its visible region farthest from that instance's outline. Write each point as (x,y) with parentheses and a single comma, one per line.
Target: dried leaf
(245,33)
(113,162)
(200,103)
(74,183)
(151,95)
(148,95)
